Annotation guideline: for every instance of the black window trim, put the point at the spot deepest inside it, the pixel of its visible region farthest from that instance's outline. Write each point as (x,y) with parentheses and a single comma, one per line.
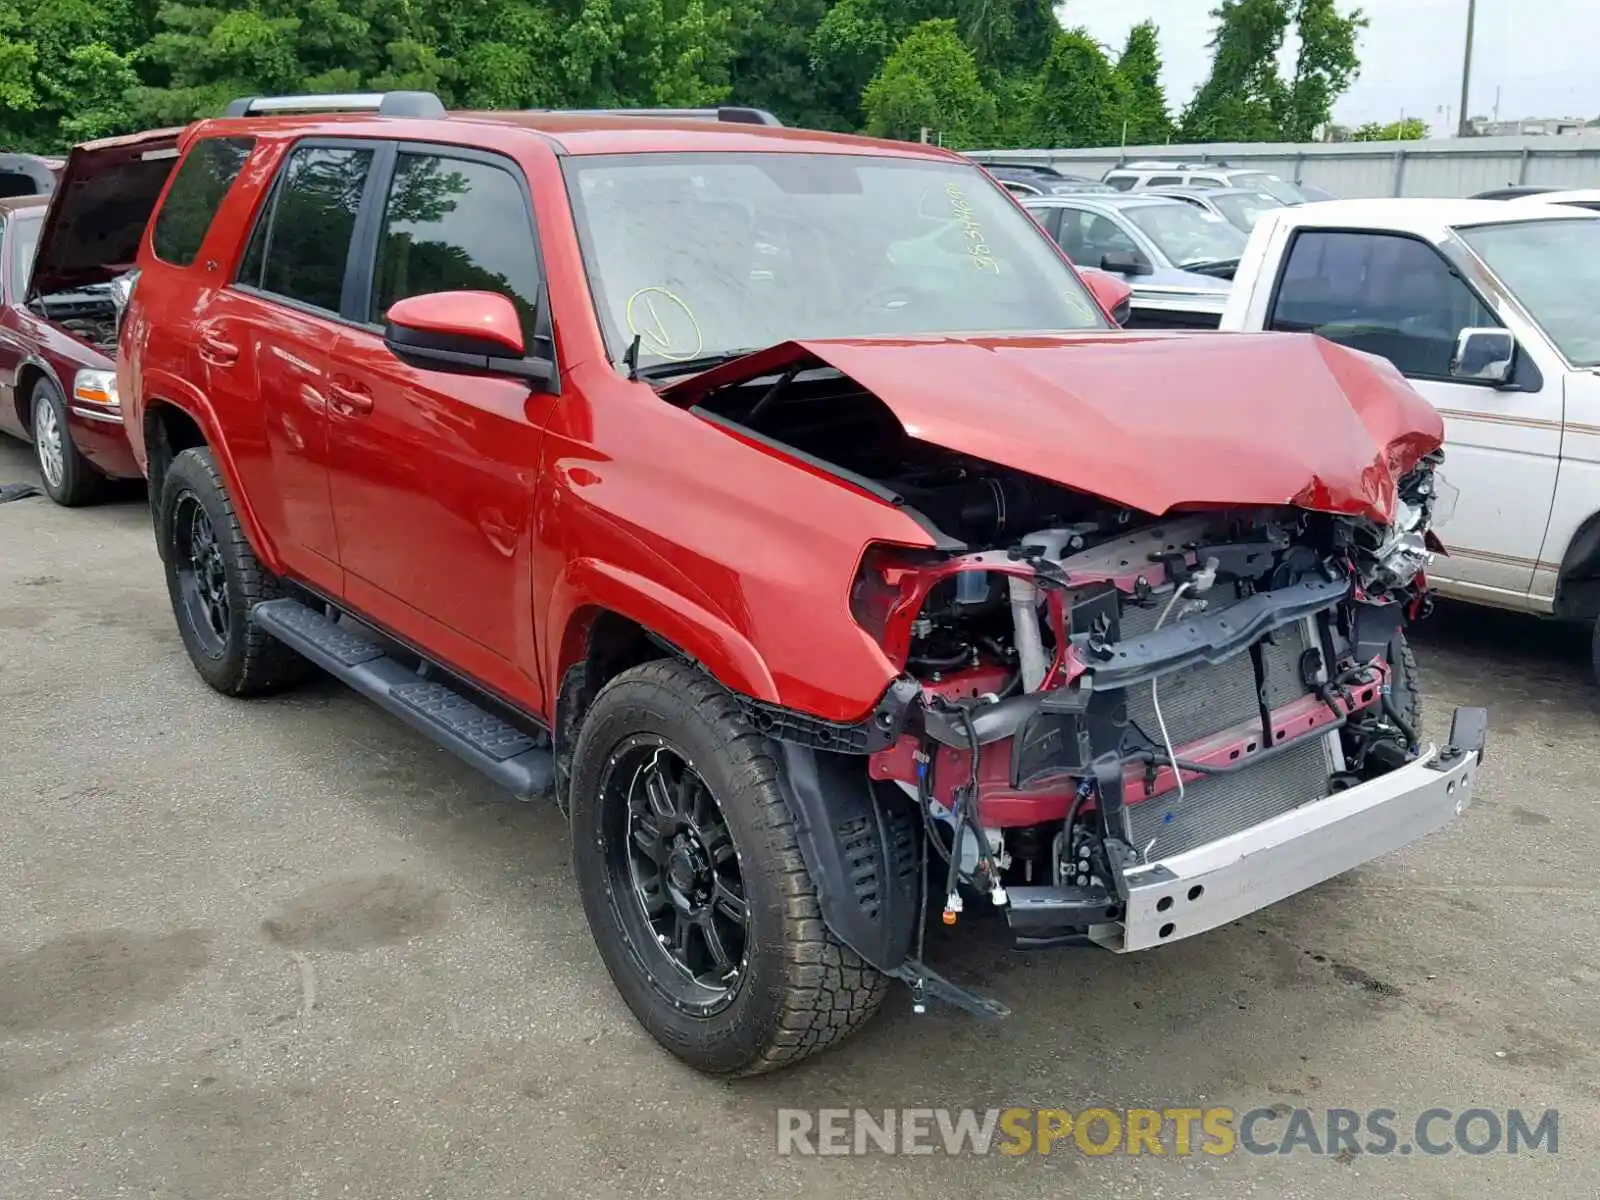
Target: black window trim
(1526,376)
(267,211)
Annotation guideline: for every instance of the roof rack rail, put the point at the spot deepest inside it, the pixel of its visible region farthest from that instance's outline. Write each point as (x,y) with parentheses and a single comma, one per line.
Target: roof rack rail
(385,104)
(728,114)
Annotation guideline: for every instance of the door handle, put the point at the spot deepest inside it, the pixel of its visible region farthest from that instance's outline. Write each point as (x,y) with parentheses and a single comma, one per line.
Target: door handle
(214,350)
(353,402)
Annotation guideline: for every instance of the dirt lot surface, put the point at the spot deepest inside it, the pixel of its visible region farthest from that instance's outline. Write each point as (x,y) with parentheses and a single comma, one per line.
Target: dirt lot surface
(285,948)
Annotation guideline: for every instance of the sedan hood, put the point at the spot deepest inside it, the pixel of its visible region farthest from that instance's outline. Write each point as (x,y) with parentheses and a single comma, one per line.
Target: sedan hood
(1154,422)
(102,201)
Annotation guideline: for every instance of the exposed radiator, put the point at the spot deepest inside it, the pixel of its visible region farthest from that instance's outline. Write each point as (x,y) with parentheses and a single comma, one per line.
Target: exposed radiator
(1218,805)
(1202,700)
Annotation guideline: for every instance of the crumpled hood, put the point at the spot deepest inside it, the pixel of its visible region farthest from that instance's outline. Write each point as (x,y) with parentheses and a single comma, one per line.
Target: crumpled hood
(1156,422)
(101,204)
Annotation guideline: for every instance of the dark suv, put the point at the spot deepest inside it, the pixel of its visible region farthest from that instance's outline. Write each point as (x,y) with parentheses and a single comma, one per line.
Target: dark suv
(783,506)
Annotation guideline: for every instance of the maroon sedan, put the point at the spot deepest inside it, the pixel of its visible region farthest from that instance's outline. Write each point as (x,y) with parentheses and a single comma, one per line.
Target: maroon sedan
(63,265)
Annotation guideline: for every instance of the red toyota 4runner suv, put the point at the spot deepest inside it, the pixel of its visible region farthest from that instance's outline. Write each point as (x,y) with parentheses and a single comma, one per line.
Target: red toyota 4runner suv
(783,506)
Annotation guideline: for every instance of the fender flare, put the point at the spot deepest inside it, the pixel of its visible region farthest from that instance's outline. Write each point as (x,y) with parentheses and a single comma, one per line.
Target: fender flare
(1583,547)
(726,654)
(163,388)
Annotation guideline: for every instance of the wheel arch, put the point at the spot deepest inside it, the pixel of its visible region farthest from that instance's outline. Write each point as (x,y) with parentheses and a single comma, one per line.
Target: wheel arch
(1578,582)
(172,422)
(32,370)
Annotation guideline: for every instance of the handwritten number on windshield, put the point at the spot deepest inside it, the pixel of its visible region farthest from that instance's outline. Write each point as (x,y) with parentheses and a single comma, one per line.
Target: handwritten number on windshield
(977,244)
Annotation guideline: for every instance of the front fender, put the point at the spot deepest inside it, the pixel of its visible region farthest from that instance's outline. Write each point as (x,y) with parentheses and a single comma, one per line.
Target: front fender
(589,583)
(162,388)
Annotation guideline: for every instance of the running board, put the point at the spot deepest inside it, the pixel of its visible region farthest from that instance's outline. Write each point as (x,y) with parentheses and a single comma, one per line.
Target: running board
(519,762)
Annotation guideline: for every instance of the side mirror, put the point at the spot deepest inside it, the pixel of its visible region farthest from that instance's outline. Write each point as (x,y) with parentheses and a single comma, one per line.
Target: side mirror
(471,333)
(1484,355)
(1127,262)
(1114,295)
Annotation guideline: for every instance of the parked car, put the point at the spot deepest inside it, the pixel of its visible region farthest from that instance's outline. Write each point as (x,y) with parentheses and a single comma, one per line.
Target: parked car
(1238,206)
(59,258)
(1137,176)
(1025,180)
(1492,310)
(1177,258)
(464,410)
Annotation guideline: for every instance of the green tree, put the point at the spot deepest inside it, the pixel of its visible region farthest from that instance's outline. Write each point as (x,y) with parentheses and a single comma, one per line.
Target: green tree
(1080,98)
(930,81)
(1242,98)
(1325,66)
(1411,129)
(1139,70)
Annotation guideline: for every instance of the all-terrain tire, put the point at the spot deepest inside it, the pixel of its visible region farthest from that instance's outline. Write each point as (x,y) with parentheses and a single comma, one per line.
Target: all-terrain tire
(1405,682)
(233,656)
(70,479)
(800,989)
(1594,652)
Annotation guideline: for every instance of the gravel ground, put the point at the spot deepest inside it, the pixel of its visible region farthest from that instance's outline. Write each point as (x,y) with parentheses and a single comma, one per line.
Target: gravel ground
(285,948)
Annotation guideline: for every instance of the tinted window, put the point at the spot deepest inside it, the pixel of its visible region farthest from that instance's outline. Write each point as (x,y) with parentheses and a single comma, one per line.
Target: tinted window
(208,171)
(1163,180)
(302,240)
(1123,183)
(1384,294)
(451,225)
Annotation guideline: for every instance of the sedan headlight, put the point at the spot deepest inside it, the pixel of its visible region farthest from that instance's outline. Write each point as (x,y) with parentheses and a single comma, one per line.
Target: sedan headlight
(96,387)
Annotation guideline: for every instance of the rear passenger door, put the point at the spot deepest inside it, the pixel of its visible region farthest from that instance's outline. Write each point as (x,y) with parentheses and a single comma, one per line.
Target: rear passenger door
(433,472)
(1396,296)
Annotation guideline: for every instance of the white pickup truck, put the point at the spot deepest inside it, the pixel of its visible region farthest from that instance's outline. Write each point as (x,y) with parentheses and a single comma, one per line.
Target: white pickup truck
(1492,311)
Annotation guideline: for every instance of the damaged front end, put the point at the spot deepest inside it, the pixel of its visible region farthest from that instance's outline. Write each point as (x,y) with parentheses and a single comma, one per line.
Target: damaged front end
(1116,728)
(1103,699)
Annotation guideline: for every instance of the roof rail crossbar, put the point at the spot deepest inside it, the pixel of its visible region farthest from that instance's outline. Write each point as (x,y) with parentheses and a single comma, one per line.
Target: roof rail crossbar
(385,104)
(728,114)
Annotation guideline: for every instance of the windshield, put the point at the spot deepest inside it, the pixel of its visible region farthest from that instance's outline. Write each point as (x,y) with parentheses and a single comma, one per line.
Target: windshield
(697,255)
(1553,269)
(1261,181)
(1187,235)
(1245,209)
(24,245)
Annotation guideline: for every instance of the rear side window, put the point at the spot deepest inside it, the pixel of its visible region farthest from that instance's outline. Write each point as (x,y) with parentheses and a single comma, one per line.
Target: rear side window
(455,224)
(208,171)
(1123,183)
(302,241)
(1163,180)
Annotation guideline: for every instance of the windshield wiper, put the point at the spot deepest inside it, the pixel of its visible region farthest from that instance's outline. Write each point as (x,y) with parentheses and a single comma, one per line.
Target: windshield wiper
(673,368)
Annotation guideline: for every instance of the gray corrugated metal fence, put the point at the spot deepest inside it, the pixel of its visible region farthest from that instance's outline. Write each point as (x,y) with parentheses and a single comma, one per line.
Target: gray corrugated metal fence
(1446,167)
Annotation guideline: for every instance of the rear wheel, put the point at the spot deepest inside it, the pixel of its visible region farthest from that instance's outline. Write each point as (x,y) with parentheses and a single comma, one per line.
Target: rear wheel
(214,579)
(692,880)
(70,479)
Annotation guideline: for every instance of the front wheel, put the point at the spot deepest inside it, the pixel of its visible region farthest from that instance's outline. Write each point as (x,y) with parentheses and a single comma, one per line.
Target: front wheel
(691,877)
(70,479)
(214,579)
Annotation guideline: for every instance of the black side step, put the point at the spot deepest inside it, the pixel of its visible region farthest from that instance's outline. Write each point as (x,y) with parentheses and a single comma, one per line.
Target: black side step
(519,762)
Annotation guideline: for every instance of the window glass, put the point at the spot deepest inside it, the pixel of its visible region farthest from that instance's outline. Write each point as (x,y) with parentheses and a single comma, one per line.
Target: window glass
(1263,181)
(1383,294)
(1188,236)
(452,224)
(305,234)
(1244,209)
(24,245)
(208,171)
(1123,183)
(1163,180)
(706,254)
(1088,237)
(1553,268)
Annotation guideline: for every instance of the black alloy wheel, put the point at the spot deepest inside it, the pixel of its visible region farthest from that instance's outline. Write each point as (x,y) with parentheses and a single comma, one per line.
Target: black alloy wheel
(202,578)
(669,854)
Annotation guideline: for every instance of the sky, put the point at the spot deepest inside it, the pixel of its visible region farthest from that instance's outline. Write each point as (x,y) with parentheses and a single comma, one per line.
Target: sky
(1543,62)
